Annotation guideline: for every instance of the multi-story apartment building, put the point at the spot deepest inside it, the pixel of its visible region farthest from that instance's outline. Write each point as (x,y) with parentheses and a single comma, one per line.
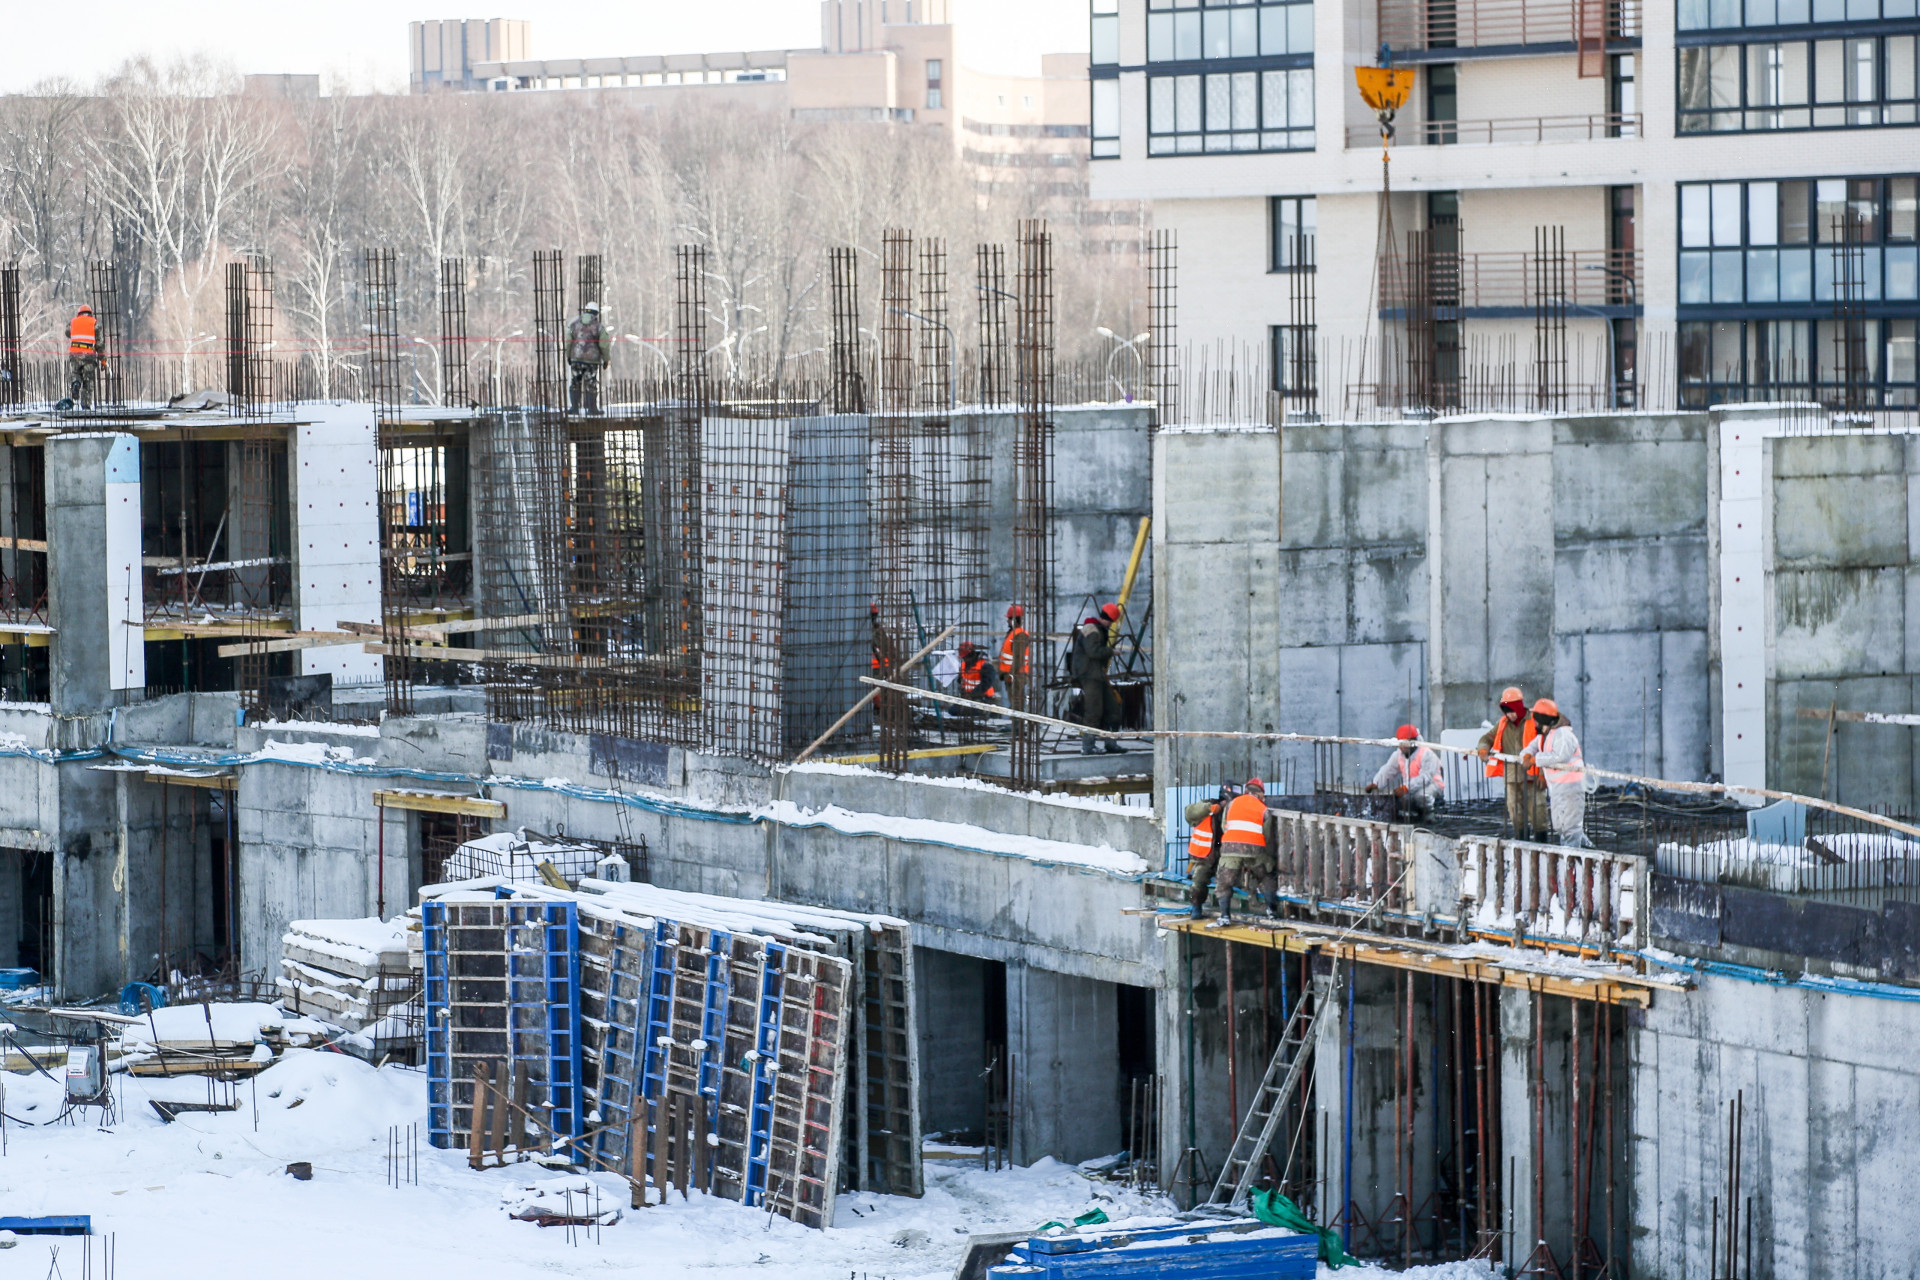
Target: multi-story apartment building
(1715,198)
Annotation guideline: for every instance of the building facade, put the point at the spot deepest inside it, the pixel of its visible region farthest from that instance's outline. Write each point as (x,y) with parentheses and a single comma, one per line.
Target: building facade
(443,53)
(1593,205)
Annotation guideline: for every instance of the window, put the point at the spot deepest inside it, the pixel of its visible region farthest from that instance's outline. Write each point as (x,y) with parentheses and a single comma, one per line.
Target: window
(1291,354)
(1443,103)
(1184,31)
(1293,225)
(1104,36)
(1106,119)
(1230,111)
(933,84)
(1623,98)
(1026,102)
(1704,15)
(1798,84)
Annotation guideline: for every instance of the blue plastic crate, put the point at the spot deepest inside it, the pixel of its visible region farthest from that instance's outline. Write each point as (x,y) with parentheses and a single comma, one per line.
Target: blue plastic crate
(17,979)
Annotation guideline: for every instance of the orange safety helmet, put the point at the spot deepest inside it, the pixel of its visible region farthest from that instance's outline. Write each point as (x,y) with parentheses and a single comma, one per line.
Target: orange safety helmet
(1546,707)
(966,649)
(1110,611)
(1254,784)
(1406,732)
(1510,695)
(85,310)
(1015,611)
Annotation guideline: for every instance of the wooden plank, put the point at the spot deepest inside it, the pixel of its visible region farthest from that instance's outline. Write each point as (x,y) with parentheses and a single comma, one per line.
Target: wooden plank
(206,781)
(924,753)
(435,653)
(297,640)
(433,802)
(9,543)
(265,628)
(1399,953)
(476,1118)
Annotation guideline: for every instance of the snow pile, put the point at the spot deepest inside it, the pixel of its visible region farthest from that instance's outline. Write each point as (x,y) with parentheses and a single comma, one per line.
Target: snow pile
(222,1024)
(548,1199)
(960,835)
(1854,860)
(276,752)
(516,857)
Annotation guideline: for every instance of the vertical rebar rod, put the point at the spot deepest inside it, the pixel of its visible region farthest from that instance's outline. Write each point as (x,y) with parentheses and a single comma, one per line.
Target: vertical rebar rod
(103,288)
(1033,484)
(1163,315)
(13,392)
(455,384)
(892,478)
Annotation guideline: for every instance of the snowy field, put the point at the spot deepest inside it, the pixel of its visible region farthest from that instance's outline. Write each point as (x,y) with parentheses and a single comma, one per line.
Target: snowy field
(209,1196)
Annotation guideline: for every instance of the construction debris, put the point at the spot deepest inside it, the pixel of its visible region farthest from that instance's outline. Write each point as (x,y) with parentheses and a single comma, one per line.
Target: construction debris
(347,972)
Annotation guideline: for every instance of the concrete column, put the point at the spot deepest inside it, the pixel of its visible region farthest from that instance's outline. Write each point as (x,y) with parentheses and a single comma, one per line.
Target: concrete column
(93,563)
(336,533)
(1330,1099)
(1064,1034)
(1745,572)
(1534,1106)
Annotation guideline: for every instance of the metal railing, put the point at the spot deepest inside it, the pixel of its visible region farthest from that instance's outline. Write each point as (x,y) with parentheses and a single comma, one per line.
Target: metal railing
(1443,133)
(1343,859)
(1478,24)
(1544,894)
(1593,278)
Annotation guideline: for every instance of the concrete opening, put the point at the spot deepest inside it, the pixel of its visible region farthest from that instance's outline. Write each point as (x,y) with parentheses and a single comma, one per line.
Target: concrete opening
(26,911)
(963,1043)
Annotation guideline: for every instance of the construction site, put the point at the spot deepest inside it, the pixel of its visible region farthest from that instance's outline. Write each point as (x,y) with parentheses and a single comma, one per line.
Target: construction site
(689,803)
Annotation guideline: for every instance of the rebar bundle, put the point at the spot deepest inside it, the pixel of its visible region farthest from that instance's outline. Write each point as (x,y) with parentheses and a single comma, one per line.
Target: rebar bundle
(12,379)
(1033,487)
(103,290)
(892,482)
(1550,319)
(1163,315)
(455,385)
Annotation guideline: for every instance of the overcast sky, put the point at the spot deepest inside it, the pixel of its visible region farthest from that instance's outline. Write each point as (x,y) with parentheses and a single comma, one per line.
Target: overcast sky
(366,40)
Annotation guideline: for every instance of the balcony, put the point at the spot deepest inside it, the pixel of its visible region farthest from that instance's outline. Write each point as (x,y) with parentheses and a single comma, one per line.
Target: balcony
(1583,279)
(1599,126)
(1452,29)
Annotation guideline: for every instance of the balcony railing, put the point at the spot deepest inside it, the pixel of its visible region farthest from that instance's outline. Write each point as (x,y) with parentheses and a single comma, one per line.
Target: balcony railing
(1446,133)
(1547,895)
(1482,24)
(1592,278)
(1343,859)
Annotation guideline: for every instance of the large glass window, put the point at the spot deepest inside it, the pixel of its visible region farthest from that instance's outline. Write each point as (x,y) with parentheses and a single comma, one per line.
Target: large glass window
(1187,31)
(1106,119)
(1703,15)
(1294,224)
(1230,111)
(1758,242)
(1104,33)
(1798,84)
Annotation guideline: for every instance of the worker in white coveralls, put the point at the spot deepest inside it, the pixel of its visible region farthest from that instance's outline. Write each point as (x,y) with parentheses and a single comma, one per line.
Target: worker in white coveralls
(1557,753)
(1412,773)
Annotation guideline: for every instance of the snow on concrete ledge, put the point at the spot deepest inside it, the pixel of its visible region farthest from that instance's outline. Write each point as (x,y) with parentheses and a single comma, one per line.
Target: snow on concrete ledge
(959,835)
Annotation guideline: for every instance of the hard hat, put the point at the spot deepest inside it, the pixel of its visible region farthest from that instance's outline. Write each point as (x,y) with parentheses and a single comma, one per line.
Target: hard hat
(1110,611)
(966,648)
(593,307)
(1015,611)
(1406,731)
(85,309)
(873,610)
(1546,707)
(1510,695)
(1254,784)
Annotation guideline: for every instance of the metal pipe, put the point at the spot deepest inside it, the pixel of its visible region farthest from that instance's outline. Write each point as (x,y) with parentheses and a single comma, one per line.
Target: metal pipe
(1346,1144)
(1233,1045)
(380,842)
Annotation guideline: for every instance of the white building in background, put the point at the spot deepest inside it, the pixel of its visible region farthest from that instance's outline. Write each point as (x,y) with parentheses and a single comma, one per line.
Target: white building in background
(1703,160)
(442,53)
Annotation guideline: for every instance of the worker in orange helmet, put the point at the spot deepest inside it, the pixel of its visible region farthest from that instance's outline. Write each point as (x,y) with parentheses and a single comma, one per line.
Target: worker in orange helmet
(1203,845)
(1526,789)
(1016,656)
(1087,666)
(84,356)
(976,674)
(1246,837)
(1556,753)
(1412,773)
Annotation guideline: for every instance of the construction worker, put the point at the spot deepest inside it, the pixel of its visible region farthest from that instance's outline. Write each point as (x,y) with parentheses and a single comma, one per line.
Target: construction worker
(1203,845)
(1556,752)
(84,356)
(976,675)
(1087,666)
(587,355)
(1016,655)
(1526,789)
(1412,773)
(1246,838)
(884,658)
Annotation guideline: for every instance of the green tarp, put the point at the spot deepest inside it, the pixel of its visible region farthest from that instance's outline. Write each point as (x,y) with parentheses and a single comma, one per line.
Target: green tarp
(1276,1210)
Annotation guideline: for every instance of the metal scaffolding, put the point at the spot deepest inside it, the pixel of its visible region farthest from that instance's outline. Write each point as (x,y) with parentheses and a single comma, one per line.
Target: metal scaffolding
(1033,487)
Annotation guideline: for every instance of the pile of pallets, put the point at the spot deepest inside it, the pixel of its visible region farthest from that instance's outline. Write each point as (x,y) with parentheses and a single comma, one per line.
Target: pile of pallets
(350,973)
(756,1051)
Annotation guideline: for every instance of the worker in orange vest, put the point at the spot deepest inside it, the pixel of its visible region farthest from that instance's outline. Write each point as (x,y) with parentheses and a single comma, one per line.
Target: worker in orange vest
(1016,651)
(1412,773)
(976,674)
(1513,733)
(885,660)
(1203,846)
(1556,753)
(1247,840)
(84,356)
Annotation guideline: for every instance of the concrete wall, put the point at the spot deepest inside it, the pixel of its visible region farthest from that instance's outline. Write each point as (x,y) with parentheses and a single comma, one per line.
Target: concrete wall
(1419,568)
(1830,1089)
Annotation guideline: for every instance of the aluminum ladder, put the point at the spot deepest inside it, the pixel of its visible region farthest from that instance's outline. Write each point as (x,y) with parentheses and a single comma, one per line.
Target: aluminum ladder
(1316,1007)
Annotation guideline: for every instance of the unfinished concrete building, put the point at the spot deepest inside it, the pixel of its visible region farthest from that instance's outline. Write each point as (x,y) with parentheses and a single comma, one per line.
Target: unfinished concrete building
(369,633)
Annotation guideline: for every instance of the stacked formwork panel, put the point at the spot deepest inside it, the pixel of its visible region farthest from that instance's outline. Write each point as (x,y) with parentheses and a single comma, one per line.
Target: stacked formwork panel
(775,1044)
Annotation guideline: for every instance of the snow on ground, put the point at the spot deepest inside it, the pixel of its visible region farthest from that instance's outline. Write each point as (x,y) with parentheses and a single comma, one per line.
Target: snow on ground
(958,834)
(208,1195)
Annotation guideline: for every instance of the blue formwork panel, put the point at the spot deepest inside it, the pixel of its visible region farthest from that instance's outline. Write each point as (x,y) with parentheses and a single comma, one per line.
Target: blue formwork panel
(69,1224)
(713,1024)
(653,1066)
(1188,1251)
(439,1034)
(621,1052)
(766,1050)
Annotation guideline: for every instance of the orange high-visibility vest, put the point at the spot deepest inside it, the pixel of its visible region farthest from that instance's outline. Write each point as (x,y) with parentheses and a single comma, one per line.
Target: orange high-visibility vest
(1006,654)
(83,335)
(973,674)
(1528,732)
(1200,841)
(1246,821)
